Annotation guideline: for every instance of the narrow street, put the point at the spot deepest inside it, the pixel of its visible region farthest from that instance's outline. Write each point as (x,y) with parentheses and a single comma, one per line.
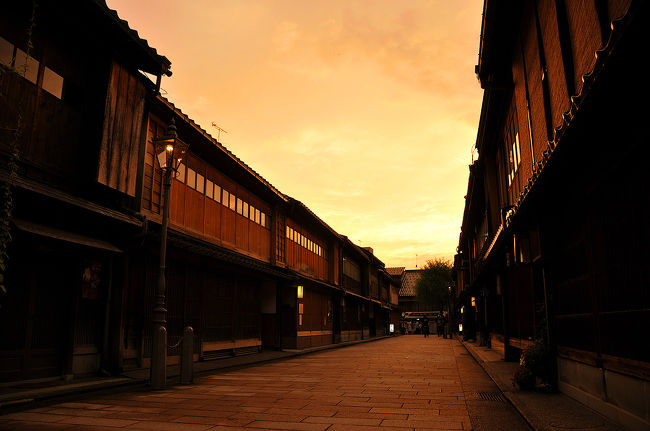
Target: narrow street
(402,383)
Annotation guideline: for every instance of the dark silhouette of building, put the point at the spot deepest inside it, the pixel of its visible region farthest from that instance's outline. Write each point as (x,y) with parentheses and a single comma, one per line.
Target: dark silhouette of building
(557,215)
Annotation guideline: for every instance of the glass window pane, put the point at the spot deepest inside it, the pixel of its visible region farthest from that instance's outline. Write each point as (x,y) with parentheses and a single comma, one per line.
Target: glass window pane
(240,206)
(257,216)
(217,193)
(209,189)
(251,212)
(191,178)
(226,198)
(52,82)
(288,232)
(6,52)
(199,183)
(27,66)
(180,173)
(263,219)
(232,202)
(245,213)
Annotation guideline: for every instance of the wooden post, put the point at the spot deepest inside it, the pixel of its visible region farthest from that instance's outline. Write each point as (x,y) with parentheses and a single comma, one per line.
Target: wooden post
(187,356)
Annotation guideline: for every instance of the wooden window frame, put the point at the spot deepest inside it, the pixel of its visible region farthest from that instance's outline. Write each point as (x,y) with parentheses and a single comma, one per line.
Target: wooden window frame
(190,174)
(200,183)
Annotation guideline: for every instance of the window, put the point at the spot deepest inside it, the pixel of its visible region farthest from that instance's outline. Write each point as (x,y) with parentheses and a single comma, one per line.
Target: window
(26,65)
(351,269)
(251,213)
(288,232)
(263,219)
(245,213)
(191,178)
(180,173)
(232,202)
(513,149)
(226,198)
(6,52)
(52,82)
(240,206)
(217,193)
(257,216)
(209,189)
(199,183)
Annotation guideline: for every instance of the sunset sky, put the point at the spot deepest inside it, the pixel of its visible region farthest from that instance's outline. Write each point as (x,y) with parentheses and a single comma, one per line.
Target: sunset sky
(366,111)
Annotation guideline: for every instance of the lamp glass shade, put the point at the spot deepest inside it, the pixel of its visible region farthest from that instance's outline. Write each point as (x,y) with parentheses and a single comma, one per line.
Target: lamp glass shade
(299,291)
(162,155)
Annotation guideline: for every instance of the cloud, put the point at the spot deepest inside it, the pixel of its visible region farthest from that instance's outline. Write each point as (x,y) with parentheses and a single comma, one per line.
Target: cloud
(285,36)
(406,46)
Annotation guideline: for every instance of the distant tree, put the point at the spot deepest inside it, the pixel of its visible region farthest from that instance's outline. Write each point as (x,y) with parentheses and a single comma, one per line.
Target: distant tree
(432,288)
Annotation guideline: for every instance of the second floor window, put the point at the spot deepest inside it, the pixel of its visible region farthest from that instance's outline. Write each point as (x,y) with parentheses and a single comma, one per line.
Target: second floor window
(512,149)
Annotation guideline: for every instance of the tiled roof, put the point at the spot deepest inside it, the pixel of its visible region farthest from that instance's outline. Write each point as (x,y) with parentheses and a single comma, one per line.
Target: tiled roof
(396,270)
(409,278)
(219,145)
(135,37)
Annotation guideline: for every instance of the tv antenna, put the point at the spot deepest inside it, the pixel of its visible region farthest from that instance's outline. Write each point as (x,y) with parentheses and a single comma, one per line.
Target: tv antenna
(219,130)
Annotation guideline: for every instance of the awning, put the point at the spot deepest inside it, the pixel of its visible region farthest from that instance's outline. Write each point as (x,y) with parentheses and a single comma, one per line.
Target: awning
(63,235)
(348,292)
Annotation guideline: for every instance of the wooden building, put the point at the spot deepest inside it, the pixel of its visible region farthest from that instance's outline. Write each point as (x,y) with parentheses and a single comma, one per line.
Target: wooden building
(72,116)
(248,267)
(557,211)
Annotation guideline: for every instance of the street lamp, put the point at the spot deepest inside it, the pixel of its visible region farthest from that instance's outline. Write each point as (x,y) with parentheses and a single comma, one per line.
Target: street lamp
(169,151)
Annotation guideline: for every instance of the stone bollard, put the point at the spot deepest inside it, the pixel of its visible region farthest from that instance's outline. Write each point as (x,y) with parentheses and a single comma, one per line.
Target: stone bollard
(187,356)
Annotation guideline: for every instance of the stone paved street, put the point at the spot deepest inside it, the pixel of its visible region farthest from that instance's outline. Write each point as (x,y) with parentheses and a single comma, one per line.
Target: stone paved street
(402,383)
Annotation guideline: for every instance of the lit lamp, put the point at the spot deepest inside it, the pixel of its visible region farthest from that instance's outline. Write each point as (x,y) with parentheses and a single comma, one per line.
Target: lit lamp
(169,152)
(169,149)
(299,292)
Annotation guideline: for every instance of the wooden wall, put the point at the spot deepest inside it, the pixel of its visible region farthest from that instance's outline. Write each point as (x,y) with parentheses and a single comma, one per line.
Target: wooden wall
(122,130)
(305,251)
(316,327)
(207,203)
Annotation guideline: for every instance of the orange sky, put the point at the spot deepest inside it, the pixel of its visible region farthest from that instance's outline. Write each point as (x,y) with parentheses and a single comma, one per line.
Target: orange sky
(366,111)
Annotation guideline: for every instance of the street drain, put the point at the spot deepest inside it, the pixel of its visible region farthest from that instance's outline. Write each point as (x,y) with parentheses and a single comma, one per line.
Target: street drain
(487,396)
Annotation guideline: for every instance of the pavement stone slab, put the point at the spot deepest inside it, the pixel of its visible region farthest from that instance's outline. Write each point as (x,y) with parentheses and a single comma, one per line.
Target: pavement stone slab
(400,383)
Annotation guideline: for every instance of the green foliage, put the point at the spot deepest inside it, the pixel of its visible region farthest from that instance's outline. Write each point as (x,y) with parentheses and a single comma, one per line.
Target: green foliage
(6,192)
(432,288)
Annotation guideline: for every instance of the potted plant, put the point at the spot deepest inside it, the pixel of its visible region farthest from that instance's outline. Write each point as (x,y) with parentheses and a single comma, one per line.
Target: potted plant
(535,367)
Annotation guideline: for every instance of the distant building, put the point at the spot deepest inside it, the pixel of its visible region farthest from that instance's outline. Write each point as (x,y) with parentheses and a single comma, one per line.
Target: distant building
(406,279)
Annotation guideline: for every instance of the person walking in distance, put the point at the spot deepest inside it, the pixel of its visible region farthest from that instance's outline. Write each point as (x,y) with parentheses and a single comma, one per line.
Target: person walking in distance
(425,327)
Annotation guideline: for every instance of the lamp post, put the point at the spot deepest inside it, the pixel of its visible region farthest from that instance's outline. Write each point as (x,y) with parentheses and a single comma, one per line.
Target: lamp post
(450,324)
(169,152)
